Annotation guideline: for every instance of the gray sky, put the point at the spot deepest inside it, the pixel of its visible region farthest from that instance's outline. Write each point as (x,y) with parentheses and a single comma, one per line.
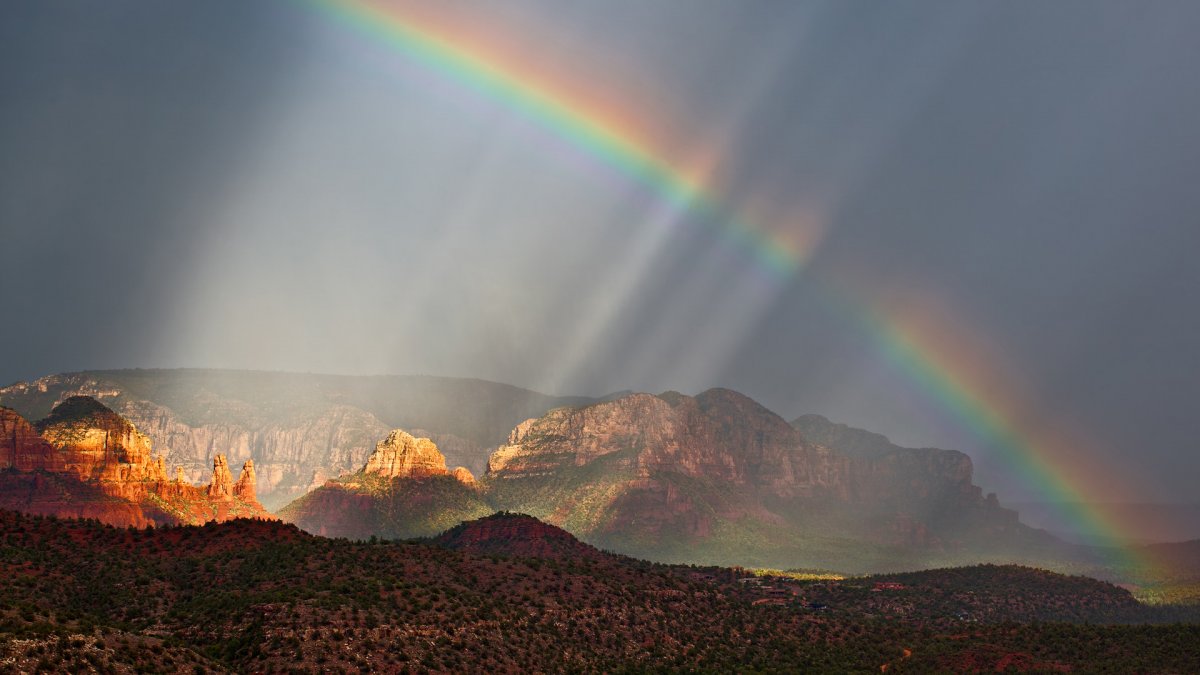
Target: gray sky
(260,185)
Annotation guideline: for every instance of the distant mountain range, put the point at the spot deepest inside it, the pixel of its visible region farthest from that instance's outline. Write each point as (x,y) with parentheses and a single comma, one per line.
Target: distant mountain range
(714,479)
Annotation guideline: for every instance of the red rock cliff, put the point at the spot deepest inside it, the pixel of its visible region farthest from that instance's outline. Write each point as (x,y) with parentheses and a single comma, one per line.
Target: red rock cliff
(84,460)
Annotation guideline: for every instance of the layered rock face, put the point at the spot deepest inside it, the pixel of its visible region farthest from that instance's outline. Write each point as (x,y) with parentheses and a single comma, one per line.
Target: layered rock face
(84,460)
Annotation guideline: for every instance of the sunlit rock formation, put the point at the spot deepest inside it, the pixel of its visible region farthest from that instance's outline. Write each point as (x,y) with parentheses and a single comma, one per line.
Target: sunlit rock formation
(221,486)
(84,460)
(402,456)
(244,487)
(463,475)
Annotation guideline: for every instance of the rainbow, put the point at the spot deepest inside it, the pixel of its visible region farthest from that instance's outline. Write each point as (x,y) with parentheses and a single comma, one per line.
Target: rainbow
(904,344)
(597,133)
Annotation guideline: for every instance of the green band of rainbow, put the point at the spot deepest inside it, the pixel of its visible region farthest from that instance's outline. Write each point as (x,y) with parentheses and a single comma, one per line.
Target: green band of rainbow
(588,130)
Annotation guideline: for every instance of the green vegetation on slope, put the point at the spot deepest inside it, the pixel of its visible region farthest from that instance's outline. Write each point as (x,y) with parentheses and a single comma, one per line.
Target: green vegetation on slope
(252,596)
(364,505)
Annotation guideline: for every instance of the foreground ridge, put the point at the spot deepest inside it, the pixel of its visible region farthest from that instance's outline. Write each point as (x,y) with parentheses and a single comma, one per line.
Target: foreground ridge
(260,596)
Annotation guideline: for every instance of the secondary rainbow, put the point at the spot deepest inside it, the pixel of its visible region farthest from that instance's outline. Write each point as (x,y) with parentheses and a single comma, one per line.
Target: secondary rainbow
(910,350)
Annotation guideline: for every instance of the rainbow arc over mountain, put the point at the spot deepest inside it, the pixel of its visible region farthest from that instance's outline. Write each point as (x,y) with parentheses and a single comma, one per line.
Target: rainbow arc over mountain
(908,345)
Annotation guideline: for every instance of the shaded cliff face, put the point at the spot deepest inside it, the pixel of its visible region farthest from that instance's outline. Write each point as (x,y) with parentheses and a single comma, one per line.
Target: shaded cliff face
(893,472)
(301,430)
(83,460)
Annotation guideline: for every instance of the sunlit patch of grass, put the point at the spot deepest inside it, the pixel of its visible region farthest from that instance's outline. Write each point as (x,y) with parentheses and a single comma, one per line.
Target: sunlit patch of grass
(1168,594)
(799,575)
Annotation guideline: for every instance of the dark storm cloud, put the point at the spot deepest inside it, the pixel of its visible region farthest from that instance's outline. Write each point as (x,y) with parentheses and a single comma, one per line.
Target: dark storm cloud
(117,120)
(254,185)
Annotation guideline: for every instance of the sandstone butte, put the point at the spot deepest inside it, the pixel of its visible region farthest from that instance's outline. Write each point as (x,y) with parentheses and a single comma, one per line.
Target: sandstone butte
(401,455)
(86,461)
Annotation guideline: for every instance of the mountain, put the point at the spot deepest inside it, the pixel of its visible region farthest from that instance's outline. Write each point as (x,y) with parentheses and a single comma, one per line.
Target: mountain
(85,461)
(719,478)
(256,597)
(301,429)
(715,478)
(404,490)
